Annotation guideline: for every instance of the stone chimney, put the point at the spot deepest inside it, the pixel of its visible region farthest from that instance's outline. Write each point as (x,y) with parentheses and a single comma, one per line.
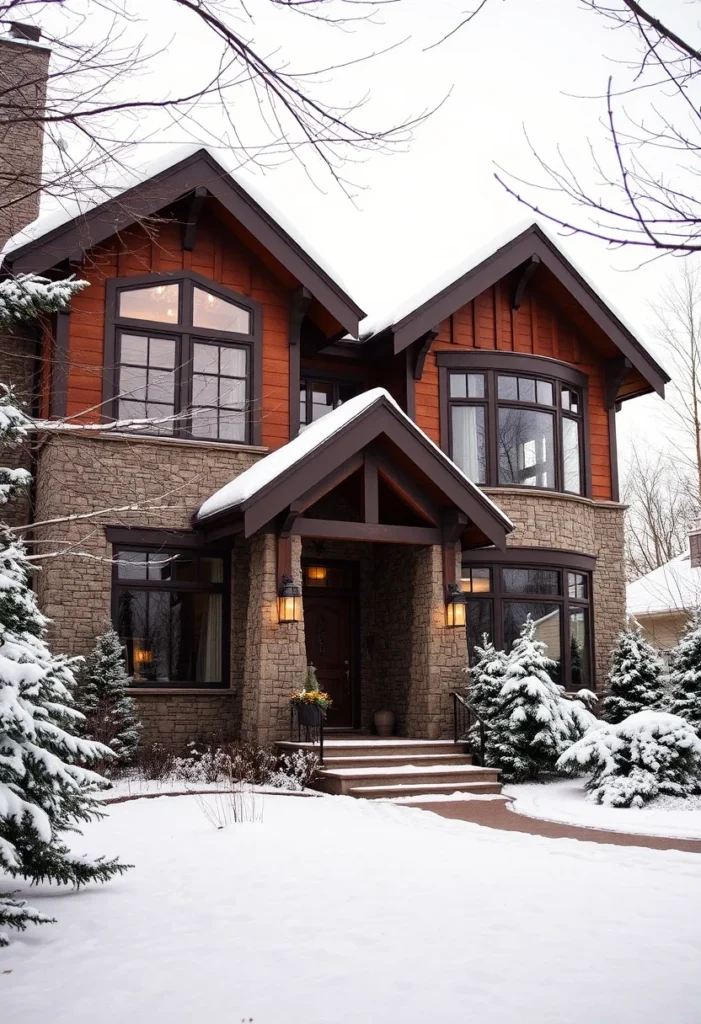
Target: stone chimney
(695,545)
(24,68)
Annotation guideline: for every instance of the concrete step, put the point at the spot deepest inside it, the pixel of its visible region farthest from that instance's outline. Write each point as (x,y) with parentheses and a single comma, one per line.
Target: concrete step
(342,780)
(377,748)
(395,760)
(395,792)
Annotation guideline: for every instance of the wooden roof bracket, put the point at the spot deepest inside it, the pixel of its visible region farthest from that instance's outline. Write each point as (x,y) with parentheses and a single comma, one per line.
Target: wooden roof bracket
(423,347)
(194,210)
(525,273)
(454,524)
(616,369)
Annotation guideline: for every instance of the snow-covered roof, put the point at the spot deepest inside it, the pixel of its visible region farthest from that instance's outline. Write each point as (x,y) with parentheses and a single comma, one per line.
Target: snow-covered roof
(56,212)
(263,473)
(673,587)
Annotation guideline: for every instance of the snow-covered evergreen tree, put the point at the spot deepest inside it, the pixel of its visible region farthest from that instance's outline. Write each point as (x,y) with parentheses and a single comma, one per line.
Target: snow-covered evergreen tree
(102,696)
(533,724)
(485,677)
(44,790)
(685,675)
(634,681)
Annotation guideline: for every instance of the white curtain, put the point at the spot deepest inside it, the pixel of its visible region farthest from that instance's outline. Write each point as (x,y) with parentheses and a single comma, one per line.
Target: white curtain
(467,446)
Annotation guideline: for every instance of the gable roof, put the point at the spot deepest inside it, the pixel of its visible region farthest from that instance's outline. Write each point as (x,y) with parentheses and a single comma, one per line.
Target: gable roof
(672,587)
(438,301)
(265,489)
(60,235)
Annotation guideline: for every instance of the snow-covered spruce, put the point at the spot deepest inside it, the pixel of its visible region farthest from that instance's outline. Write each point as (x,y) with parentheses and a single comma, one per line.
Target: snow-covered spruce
(533,723)
(485,677)
(27,296)
(633,761)
(685,675)
(634,681)
(102,696)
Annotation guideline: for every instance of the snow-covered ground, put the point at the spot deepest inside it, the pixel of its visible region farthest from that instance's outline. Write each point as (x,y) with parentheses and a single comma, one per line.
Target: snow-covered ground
(335,911)
(565,801)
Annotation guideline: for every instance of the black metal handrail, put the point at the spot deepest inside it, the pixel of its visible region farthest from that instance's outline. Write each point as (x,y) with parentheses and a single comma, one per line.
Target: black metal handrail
(463,715)
(310,718)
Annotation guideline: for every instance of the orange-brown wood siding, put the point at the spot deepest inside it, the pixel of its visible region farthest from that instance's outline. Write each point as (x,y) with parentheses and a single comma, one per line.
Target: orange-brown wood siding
(217,255)
(538,328)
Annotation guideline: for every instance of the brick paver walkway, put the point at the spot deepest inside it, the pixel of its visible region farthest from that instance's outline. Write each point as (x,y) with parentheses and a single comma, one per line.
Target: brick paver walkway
(496,814)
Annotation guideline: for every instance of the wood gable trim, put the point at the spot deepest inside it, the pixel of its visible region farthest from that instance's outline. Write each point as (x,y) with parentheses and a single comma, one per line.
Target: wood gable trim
(186,177)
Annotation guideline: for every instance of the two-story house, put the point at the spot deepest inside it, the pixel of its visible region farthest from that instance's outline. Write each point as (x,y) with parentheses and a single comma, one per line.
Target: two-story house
(333,486)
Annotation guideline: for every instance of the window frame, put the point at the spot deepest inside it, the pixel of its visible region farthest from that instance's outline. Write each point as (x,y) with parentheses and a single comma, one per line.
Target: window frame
(335,382)
(495,364)
(562,562)
(186,334)
(165,549)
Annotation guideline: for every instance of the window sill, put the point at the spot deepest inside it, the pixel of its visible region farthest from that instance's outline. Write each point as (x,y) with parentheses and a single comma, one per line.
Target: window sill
(181,691)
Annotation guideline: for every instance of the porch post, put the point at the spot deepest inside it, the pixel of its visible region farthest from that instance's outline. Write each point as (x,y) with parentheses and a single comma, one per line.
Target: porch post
(275,659)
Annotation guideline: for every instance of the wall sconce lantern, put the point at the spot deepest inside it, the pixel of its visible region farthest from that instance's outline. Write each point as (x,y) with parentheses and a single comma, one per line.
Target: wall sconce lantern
(456,606)
(289,602)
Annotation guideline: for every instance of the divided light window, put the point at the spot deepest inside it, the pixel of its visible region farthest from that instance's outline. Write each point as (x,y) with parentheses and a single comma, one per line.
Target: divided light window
(183,355)
(169,608)
(516,430)
(319,397)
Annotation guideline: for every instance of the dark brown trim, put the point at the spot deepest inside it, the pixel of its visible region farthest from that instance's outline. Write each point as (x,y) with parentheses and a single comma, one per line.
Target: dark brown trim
(408,489)
(613,454)
(153,537)
(330,481)
(378,533)
(513,362)
(371,505)
(531,242)
(200,169)
(193,215)
(185,332)
(616,370)
(284,559)
(410,385)
(526,272)
(554,558)
(58,405)
(443,408)
(299,303)
(423,347)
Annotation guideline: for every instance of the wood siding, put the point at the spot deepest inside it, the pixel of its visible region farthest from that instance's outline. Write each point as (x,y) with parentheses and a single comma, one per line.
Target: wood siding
(537,328)
(219,255)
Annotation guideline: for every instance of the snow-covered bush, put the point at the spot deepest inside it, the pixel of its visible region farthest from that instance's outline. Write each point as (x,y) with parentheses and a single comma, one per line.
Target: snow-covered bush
(634,682)
(685,675)
(533,723)
(102,696)
(632,762)
(247,763)
(582,718)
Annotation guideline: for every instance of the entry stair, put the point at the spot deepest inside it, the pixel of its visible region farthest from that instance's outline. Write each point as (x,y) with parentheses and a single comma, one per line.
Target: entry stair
(386,769)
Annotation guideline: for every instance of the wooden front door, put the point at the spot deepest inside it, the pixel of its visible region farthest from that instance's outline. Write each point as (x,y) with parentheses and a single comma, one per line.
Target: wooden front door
(328,629)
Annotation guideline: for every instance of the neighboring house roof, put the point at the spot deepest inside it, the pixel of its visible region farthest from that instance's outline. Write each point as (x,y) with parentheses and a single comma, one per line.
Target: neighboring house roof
(79,226)
(532,246)
(673,587)
(261,492)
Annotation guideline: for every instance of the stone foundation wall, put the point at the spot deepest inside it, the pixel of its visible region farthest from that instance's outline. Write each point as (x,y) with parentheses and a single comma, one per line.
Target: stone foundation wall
(173,720)
(589,528)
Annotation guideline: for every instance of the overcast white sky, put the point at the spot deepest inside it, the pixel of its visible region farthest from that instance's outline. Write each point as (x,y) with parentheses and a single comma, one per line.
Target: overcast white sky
(521,63)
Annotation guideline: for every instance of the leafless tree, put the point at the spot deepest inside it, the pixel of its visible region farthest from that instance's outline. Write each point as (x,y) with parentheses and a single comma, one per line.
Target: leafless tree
(646,194)
(663,504)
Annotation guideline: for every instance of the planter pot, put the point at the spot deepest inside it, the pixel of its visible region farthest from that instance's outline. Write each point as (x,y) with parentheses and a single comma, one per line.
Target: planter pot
(384,723)
(310,715)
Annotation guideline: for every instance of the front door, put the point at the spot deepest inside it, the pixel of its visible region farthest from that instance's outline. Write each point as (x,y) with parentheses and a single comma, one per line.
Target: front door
(328,630)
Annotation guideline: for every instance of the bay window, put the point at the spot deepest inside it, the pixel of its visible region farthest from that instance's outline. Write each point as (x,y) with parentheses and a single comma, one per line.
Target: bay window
(501,596)
(514,421)
(183,357)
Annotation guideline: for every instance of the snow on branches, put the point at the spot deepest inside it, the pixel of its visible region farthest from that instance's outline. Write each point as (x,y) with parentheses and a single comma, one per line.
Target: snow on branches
(632,762)
(685,675)
(27,296)
(635,678)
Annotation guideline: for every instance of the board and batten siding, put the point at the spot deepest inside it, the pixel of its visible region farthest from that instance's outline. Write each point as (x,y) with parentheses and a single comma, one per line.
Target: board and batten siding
(488,323)
(218,255)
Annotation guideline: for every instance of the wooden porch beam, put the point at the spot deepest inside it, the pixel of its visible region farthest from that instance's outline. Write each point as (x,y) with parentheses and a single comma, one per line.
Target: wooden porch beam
(333,479)
(326,529)
(408,490)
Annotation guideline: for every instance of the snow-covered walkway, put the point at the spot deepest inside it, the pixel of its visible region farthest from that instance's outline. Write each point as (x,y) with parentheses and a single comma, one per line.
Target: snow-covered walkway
(334,910)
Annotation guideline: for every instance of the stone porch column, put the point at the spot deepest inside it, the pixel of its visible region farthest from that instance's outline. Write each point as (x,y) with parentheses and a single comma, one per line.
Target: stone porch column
(439,653)
(275,658)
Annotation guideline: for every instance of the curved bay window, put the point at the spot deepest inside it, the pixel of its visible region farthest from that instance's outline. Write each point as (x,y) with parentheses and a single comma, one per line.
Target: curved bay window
(185,357)
(515,421)
(500,597)
(169,608)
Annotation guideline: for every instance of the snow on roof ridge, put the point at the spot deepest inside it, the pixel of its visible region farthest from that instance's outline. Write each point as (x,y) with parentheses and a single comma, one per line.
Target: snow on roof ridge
(273,465)
(53,219)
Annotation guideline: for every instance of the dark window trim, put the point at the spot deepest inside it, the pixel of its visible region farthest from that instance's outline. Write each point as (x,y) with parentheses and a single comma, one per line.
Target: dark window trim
(545,558)
(142,537)
(537,367)
(187,334)
(204,551)
(334,380)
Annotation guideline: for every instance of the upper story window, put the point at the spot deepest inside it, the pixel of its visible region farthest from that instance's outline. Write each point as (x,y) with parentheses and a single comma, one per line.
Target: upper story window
(185,357)
(319,397)
(518,429)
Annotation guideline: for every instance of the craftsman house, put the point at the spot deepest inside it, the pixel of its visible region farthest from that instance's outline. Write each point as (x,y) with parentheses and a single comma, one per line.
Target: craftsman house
(285,481)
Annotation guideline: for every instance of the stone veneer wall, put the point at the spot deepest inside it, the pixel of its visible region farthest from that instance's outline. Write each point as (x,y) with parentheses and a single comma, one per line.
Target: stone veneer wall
(167,481)
(587,527)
